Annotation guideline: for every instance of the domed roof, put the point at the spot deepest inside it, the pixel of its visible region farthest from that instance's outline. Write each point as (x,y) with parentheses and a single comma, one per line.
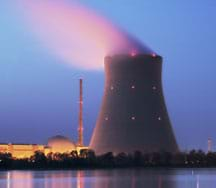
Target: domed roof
(58,137)
(61,144)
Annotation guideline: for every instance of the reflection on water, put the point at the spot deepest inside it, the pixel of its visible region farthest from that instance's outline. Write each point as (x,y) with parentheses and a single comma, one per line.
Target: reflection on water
(19,179)
(80,178)
(125,178)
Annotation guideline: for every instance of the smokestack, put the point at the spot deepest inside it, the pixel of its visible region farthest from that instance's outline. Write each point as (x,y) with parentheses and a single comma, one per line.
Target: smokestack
(209,145)
(80,128)
(133,116)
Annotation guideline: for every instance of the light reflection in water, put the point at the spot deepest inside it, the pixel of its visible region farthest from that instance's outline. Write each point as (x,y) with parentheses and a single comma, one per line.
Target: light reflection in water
(159,182)
(19,179)
(197,183)
(8,180)
(131,179)
(125,178)
(57,179)
(80,179)
(46,179)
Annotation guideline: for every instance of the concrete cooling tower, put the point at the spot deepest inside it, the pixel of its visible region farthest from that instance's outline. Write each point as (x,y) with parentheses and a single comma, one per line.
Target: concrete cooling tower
(133,115)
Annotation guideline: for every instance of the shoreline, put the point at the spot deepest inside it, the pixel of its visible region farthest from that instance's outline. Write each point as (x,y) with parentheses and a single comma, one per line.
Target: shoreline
(106,168)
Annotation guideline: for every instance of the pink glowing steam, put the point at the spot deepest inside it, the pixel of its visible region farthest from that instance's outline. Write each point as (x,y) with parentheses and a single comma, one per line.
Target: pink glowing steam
(76,34)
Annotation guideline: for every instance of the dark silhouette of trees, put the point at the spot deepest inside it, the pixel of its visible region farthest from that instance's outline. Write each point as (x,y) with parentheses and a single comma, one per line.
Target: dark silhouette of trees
(122,159)
(139,159)
(88,159)
(179,159)
(5,160)
(106,160)
(211,159)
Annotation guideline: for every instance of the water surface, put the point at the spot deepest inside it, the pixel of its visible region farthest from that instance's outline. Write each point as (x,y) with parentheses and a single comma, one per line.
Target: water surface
(122,178)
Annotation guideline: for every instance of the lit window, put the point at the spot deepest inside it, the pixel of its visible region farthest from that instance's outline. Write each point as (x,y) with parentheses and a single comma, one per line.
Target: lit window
(154,87)
(111,87)
(159,118)
(133,87)
(133,118)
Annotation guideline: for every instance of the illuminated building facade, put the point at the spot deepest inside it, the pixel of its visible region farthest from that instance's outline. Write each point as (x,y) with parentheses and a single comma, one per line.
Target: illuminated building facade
(133,115)
(23,150)
(61,144)
(56,144)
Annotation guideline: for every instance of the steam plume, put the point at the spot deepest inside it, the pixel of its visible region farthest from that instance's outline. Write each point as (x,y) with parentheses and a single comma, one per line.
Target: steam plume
(75,34)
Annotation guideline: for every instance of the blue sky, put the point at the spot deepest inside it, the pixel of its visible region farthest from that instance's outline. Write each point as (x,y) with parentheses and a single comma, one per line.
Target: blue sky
(38,94)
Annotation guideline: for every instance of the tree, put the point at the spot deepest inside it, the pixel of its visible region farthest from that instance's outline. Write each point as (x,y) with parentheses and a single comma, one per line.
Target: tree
(39,158)
(5,160)
(138,158)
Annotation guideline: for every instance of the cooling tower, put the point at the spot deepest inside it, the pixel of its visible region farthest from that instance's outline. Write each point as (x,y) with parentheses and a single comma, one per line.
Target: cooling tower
(133,115)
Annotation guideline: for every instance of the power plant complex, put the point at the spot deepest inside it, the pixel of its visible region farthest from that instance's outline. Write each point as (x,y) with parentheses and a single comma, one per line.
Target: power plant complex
(133,115)
(56,144)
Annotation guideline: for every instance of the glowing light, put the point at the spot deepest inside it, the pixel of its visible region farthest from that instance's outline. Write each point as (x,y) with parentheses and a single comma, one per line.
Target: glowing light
(106,118)
(133,87)
(154,87)
(112,88)
(154,55)
(75,34)
(133,53)
(159,118)
(133,118)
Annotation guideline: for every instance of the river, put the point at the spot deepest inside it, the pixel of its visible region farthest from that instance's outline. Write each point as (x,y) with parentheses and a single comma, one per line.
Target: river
(121,178)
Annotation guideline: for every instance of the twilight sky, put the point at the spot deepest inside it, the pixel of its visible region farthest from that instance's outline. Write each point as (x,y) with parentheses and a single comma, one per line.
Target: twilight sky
(39,88)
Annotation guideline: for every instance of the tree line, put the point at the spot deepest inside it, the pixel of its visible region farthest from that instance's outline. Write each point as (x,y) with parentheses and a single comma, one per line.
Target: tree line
(88,159)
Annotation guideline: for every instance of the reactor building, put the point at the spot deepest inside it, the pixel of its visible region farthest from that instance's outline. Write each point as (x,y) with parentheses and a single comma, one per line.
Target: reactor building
(56,144)
(133,115)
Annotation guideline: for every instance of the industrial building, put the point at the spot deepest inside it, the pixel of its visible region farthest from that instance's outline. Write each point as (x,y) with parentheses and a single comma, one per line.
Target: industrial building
(133,114)
(56,144)
(23,150)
